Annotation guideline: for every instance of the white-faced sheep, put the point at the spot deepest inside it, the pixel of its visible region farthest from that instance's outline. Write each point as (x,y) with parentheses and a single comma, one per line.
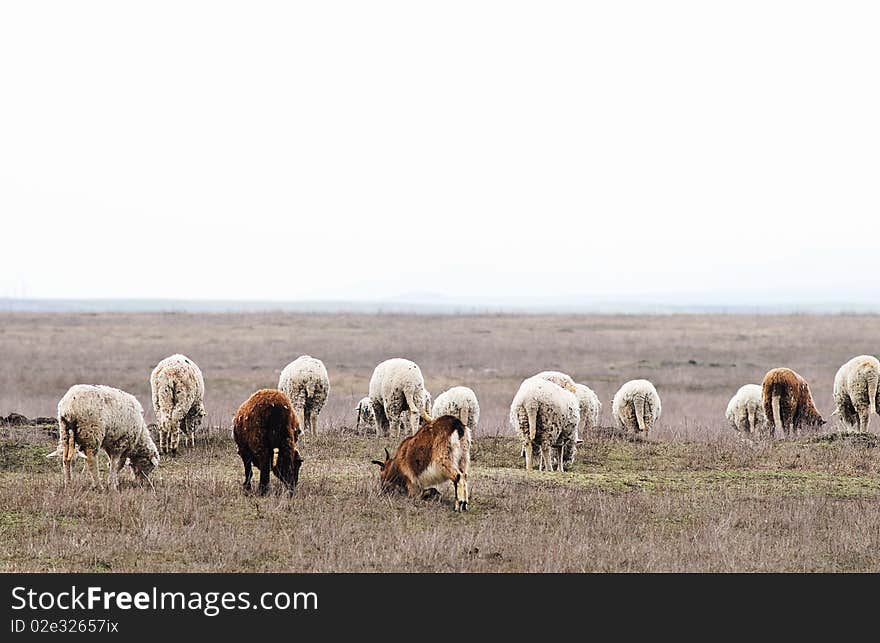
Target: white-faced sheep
(397,391)
(547,417)
(636,406)
(101,417)
(178,391)
(365,416)
(745,411)
(857,391)
(460,402)
(306,383)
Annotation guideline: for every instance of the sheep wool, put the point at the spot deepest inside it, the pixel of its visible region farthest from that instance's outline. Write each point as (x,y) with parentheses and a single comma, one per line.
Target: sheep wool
(745,411)
(306,383)
(397,391)
(636,406)
(857,391)
(547,417)
(178,392)
(365,416)
(94,417)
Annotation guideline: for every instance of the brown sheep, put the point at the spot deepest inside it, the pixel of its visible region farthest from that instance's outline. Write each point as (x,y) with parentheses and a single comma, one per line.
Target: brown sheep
(429,457)
(265,430)
(788,403)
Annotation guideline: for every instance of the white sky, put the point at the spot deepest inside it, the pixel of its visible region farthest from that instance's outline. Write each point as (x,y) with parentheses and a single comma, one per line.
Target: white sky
(370,149)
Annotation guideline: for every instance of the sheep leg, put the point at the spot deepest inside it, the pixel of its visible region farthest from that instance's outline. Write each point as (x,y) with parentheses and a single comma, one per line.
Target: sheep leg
(414,422)
(863,419)
(313,422)
(561,452)
(116,464)
(175,435)
(92,463)
(248,471)
(162,434)
(265,468)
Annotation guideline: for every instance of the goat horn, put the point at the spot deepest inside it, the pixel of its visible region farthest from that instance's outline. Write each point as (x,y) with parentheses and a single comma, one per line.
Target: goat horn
(387,455)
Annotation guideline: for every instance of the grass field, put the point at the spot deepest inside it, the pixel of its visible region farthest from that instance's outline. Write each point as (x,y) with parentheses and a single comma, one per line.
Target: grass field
(693,497)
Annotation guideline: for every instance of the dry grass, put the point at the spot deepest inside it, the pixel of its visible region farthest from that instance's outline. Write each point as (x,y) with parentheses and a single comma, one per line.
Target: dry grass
(694,497)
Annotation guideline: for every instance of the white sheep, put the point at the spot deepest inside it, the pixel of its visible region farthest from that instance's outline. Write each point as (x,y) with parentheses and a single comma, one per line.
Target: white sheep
(588,401)
(590,407)
(546,416)
(397,391)
(461,402)
(560,379)
(365,415)
(856,391)
(745,411)
(178,391)
(101,417)
(636,406)
(306,383)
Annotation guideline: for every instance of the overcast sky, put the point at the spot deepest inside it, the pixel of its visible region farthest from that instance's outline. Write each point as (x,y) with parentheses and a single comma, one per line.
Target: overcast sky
(338,150)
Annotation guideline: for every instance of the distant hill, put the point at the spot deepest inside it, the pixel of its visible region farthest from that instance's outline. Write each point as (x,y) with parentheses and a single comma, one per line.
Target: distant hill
(433,306)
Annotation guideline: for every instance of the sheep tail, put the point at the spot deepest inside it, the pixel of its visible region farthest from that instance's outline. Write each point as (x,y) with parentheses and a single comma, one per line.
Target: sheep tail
(873,378)
(639,407)
(777,415)
(409,394)
(533,422)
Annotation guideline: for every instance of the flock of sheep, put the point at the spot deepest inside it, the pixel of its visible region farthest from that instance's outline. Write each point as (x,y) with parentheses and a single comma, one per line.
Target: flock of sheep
(550,412)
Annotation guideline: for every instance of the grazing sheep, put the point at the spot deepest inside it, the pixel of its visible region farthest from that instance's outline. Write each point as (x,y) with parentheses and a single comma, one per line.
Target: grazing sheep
(460,402)
(101,417)
(856,391)
(788,402)
(265,430)
(636,406)
(397,391)
(306,383)
(560,379)
(547,417)
(745,411)
(588,402)
(178,399)
(365,414)
(428,458)
(590,407)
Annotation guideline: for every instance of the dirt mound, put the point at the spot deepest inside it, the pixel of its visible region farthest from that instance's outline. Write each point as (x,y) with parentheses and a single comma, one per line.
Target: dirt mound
(17,419)
(855,438)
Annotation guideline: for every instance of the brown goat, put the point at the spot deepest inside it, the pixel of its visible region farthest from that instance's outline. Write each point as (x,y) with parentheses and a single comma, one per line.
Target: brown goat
(265,430)
(788,403)
(429,457)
